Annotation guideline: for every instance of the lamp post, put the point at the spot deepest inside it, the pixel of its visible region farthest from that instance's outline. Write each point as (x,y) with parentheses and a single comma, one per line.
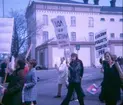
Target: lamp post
(3,7)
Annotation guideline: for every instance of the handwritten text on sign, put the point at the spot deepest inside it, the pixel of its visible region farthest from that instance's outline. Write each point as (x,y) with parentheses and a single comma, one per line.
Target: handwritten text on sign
(61,31)
(101,43)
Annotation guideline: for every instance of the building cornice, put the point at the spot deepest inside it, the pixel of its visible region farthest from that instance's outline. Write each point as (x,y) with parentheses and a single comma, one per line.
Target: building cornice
(72,7)
(82,43)
(66,4)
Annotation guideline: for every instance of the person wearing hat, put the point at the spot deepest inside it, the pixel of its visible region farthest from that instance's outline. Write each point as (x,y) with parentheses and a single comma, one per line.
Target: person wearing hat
(75,75)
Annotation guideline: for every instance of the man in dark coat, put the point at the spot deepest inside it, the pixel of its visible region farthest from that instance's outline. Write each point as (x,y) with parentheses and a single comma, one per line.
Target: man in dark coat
(13,93)
(75,76)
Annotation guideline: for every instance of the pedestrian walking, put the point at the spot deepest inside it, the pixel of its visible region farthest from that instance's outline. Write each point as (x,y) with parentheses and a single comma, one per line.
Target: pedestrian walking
(30,86)
(75,76)
(110,90)
(3,70)
(13,93)
(62,76)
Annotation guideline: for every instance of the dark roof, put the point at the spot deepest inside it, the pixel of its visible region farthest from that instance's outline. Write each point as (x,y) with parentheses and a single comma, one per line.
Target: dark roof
(111,9)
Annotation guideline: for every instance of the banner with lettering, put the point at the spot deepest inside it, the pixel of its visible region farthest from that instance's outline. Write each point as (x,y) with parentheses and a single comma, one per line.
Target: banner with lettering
(101,43)
(61,31)
(6,32)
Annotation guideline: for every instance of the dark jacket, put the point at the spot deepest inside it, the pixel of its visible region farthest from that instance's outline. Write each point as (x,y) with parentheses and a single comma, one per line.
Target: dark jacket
(3,67)
(13,94)
(111,83)
(76,71)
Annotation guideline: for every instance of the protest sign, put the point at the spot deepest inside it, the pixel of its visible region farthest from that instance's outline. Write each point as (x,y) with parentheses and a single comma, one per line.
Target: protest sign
(93,89)
(101,43)
(27,54)
(6,32)
(61,31)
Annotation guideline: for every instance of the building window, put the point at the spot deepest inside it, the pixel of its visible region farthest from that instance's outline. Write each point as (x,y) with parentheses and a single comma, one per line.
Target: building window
(73,8)
(121,35)
(59,7)
(102,19)
(73,36)
(45,36)
(91,22)
(91,36)
(45,19)
(112,35)
(73,21)
(121,20)
(45,6)
(112,19)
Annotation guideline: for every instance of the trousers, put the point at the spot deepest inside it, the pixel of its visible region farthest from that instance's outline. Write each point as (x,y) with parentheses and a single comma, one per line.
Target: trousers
(79,92)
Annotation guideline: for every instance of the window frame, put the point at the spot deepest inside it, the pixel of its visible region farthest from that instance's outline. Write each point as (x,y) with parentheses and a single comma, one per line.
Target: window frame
(90,22)
(45,36)
(91,34)
(112,20)
(113,35)
(121,20)
(73,36)
(121,34)
(45,19)
(73,21)
(102,19)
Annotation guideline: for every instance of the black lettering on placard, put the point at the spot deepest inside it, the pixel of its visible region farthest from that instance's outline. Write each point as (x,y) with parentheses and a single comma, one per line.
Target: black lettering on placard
(101,52)
(101,46)
(100,41)
(59,23)
(60,30)
(62,36)
(100,35)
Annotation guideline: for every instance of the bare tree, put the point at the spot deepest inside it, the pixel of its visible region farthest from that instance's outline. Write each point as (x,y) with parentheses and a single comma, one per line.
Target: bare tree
(20,36)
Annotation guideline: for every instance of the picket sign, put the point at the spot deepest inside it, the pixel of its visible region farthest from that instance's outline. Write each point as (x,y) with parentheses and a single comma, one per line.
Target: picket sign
(61,32)
(62,36)
(93,89)
(27,54)
(101,43)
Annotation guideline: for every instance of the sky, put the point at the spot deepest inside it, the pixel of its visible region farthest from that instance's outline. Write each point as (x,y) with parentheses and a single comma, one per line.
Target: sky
(22,4)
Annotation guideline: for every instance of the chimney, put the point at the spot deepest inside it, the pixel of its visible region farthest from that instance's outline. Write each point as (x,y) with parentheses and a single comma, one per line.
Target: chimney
(85,1)
(96,2)
(112,3)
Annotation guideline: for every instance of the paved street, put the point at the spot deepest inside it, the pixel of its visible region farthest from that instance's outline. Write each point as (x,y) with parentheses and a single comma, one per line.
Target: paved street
(47,87)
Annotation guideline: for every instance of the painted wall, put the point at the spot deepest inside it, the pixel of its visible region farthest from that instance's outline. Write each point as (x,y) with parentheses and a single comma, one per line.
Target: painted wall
(118,50)
(56,55)
(84,55)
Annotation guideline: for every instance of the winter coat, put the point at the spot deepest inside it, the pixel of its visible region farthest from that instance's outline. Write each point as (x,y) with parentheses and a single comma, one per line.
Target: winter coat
(76,71)
(30,88)
(13,93)
(111,83)
(3,69)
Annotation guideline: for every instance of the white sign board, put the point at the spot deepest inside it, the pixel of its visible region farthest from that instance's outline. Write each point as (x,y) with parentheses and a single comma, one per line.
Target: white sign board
(6,32)
(61,31)
(101,43)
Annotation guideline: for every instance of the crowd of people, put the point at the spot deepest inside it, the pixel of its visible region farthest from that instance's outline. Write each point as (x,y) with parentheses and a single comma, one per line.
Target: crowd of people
(22,89)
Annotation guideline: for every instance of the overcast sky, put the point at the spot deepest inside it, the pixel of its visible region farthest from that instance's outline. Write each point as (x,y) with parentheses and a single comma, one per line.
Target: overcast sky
(22,4)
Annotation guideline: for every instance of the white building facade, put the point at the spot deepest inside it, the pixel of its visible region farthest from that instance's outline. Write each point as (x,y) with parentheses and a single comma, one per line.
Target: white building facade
(83,22)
